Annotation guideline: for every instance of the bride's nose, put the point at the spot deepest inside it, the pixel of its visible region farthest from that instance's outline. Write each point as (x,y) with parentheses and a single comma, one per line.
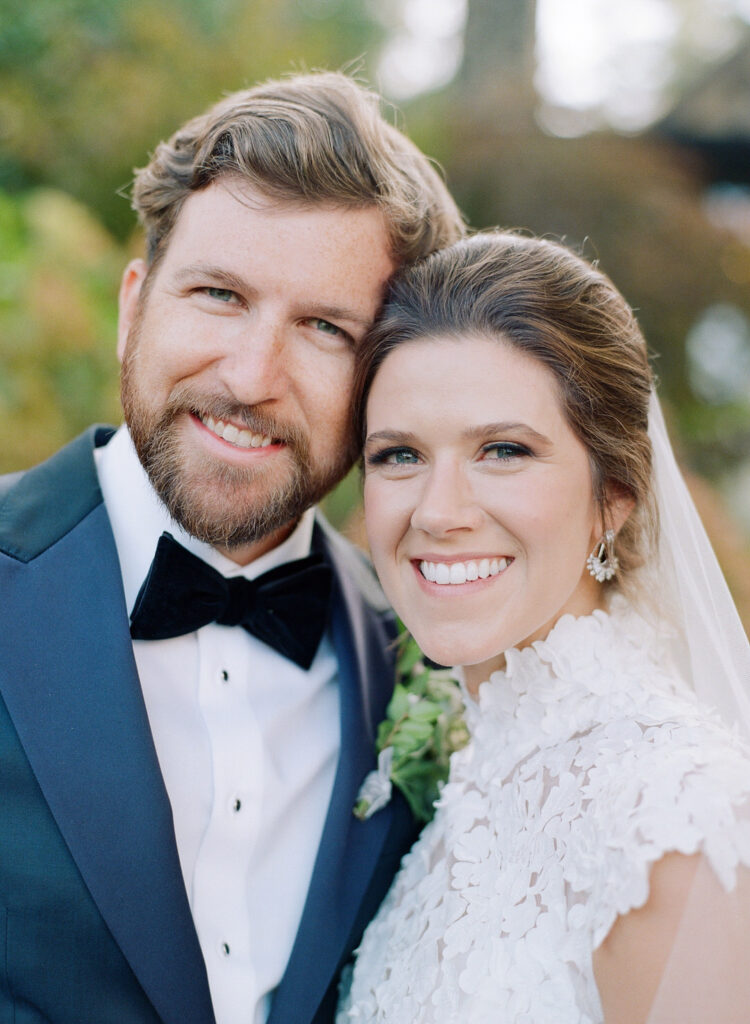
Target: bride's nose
(446,502)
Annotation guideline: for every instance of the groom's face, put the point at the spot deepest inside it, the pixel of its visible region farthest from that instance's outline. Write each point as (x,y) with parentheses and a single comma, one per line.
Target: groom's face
(237,353)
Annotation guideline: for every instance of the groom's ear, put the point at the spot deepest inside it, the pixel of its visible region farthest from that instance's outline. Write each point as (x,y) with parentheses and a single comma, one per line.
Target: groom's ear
(130,293)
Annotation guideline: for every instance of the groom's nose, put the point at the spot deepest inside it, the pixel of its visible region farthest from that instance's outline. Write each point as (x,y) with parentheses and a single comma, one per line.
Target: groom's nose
(258,367)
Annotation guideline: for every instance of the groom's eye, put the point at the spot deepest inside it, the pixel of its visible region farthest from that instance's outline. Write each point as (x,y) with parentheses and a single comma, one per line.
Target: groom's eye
(330,332)
(225,295)
(326,327)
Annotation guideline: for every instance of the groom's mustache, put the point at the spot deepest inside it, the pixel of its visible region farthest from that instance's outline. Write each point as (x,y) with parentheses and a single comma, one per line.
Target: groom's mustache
(222,407)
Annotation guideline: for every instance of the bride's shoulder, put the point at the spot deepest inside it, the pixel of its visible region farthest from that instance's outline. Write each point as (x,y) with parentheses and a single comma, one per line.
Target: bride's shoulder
(654,770)
(668,778)
(669,772)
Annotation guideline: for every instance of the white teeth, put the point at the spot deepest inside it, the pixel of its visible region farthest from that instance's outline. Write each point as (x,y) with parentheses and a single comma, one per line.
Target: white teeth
(235,436)
(442,573)
(458,573)
(462,572)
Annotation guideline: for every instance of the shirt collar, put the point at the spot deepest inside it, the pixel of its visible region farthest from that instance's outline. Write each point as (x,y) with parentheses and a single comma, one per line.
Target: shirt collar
(138,519)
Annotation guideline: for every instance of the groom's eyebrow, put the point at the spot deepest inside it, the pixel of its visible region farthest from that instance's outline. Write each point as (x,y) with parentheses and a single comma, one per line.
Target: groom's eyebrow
(233,282)
(342,313)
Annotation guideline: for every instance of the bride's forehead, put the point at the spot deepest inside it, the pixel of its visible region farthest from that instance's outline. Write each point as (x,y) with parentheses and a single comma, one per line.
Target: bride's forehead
(465,354)
(472,378)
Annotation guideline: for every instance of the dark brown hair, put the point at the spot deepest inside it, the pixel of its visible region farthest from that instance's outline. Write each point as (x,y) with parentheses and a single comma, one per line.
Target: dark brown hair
(543,299)
(316,138)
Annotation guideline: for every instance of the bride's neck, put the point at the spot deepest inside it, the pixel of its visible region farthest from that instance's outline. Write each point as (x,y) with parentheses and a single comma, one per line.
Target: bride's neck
(585,603)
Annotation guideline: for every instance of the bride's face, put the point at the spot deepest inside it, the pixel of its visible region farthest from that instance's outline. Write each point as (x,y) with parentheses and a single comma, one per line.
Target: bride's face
(478,499)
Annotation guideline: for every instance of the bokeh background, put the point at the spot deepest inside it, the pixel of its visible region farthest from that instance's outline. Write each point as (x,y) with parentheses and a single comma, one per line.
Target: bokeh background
(621,126)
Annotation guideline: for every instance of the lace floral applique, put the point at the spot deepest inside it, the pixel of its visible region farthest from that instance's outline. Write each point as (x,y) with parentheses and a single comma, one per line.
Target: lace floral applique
(587,763)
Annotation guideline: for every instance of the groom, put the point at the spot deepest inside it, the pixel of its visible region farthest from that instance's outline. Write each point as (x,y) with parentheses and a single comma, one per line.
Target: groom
(180,749)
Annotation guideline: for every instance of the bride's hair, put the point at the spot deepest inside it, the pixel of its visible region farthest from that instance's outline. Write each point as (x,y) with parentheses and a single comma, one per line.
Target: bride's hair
(543,299)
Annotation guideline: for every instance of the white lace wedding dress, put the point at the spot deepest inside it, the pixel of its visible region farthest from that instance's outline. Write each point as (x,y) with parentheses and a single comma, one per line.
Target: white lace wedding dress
(588,762)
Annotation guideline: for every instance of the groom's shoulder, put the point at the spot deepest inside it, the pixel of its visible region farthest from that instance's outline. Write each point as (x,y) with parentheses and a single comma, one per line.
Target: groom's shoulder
(39,506)
(350,559)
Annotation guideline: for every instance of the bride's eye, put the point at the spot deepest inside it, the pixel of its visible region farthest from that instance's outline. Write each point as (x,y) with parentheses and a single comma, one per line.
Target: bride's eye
(393,457)
(503,451)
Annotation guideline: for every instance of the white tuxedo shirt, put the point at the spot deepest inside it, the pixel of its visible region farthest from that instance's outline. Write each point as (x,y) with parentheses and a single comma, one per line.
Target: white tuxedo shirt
(247,744)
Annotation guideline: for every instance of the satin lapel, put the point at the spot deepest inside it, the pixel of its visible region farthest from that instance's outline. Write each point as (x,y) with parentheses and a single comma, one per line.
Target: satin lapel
(350,850)
(69,680)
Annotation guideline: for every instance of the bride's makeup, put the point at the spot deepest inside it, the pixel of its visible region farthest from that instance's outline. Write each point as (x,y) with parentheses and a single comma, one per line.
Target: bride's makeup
(479,501)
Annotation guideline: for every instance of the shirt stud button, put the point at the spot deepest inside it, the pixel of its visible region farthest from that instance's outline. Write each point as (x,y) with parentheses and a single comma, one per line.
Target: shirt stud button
(224,676)
(236,804)
(225,948)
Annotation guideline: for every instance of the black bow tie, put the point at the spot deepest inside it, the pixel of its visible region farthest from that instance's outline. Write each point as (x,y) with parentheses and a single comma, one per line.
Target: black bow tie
(286,608)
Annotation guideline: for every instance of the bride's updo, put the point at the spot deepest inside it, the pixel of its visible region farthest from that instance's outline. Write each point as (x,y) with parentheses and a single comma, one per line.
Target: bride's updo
(548,302)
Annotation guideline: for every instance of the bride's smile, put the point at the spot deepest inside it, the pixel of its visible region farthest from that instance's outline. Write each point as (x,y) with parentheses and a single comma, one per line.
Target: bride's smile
(479,498)
(461,571)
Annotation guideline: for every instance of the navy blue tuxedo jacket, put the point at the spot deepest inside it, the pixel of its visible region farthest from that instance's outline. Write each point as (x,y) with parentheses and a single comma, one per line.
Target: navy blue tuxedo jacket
(94,921)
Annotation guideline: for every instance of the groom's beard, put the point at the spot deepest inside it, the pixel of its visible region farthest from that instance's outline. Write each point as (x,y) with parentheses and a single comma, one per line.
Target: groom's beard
(224,505)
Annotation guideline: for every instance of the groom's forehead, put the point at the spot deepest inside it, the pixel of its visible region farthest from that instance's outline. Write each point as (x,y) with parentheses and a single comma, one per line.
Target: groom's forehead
(338,257)
(251,205)
(260,197)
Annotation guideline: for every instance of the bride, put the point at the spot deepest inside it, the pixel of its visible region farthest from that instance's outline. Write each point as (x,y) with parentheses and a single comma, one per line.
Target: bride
(588,859)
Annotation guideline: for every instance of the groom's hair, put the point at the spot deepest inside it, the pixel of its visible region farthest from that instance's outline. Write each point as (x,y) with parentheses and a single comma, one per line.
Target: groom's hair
(315,138)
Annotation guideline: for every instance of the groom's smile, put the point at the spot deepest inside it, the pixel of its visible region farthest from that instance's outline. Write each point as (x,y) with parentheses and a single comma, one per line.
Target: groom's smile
(237,348)
(234,434)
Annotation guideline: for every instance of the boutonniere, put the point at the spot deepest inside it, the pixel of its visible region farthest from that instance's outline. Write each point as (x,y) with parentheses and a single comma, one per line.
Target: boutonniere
(423,726)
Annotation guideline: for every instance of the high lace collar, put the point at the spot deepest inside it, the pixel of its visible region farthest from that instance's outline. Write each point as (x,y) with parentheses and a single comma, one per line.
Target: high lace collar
(591,658)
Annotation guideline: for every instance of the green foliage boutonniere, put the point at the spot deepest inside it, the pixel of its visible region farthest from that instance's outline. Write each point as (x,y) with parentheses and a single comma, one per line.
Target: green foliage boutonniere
(423,726)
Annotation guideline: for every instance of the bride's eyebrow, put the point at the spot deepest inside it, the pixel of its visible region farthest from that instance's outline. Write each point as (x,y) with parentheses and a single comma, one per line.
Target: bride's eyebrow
(482,431)
(394,436)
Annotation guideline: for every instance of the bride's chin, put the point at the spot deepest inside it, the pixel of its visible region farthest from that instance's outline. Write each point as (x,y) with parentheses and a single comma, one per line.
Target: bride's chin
(436,646)
(477,658)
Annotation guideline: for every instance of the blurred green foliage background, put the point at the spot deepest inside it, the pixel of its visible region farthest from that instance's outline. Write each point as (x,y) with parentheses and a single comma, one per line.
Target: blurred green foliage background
(88,88)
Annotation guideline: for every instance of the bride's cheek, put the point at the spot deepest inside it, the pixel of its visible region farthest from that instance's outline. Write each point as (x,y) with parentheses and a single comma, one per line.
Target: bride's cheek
(377,516)
(387,524)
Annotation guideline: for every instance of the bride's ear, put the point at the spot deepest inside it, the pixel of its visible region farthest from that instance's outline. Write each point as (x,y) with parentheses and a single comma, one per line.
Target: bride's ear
(618,503)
